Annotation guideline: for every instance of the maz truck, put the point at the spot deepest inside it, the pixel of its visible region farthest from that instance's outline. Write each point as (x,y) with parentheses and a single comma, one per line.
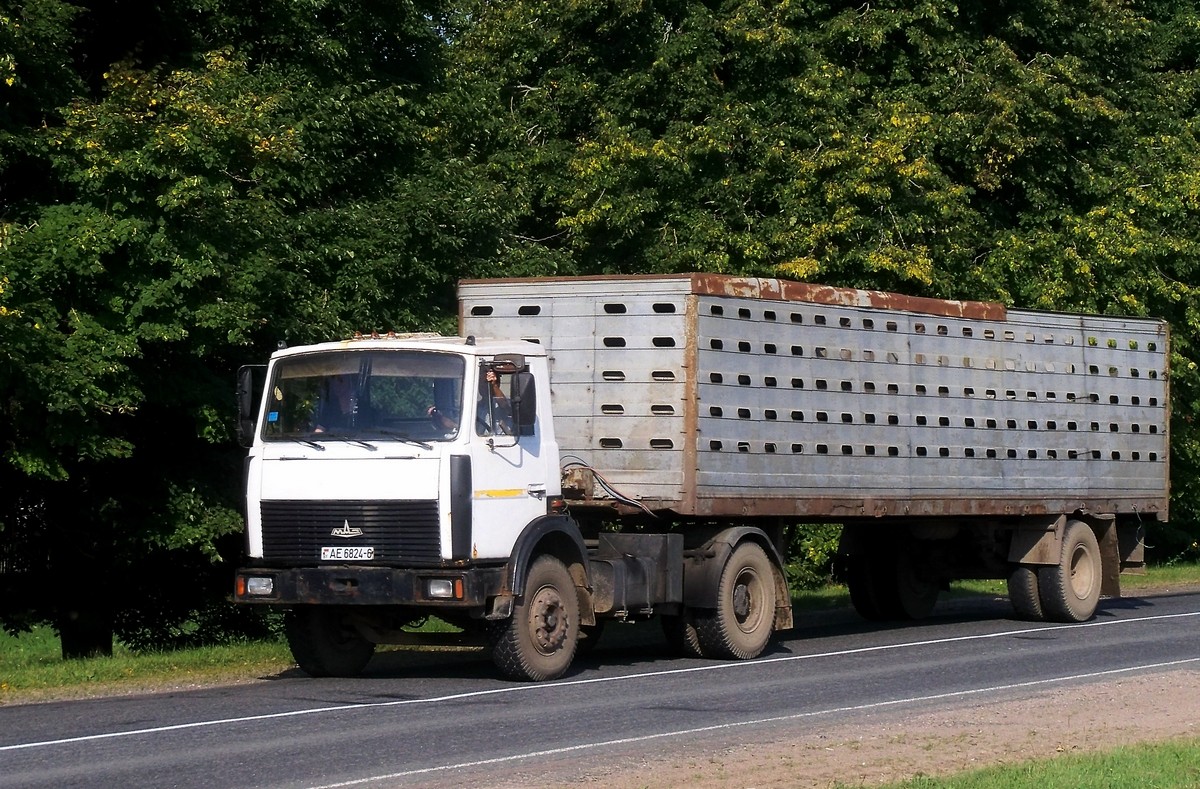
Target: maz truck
(625,447)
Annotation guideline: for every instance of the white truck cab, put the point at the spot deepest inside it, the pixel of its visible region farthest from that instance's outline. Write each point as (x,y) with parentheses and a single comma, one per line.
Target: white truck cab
(391,475)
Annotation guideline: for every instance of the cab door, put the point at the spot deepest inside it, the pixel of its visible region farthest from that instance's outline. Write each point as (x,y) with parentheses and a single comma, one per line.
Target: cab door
(511,465)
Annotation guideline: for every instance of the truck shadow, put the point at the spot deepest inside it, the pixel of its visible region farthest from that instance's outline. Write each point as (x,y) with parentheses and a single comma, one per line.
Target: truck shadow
(628,645)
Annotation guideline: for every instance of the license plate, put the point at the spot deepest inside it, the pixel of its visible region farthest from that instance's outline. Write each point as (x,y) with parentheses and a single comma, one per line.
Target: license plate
(347,553)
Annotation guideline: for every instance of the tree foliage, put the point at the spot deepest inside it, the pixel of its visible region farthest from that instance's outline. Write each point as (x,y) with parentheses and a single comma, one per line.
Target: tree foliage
(227,179)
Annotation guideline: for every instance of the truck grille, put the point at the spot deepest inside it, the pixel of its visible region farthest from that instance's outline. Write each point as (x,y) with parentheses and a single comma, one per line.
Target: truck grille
(401,532)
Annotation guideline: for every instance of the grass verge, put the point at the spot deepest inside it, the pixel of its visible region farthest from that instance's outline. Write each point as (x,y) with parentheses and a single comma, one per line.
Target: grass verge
(32,668)
(1167,765)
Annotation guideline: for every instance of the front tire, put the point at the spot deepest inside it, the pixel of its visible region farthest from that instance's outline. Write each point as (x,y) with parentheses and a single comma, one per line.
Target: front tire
(537,642)
(744,618)
(1070,590)
(325,642)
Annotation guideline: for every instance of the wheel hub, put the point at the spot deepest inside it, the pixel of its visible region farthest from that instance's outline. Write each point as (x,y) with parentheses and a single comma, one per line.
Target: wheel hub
(1082,575)
(741,601)
(549,625)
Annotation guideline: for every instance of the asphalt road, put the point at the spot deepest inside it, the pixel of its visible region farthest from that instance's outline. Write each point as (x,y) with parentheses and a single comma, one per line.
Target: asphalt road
(421,720)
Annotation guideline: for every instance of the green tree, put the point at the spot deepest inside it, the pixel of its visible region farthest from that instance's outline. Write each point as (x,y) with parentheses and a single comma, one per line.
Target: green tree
(211,179)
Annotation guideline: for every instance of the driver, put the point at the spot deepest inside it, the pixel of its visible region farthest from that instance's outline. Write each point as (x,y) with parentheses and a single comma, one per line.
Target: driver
(493,413)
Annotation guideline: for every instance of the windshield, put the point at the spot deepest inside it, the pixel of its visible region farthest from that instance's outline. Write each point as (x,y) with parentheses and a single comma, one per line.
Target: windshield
(360,395)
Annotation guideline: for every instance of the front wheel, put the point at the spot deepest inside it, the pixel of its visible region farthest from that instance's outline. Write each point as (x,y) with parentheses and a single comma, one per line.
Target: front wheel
(325,642)
(1070,590)
(741,624)
(538,641)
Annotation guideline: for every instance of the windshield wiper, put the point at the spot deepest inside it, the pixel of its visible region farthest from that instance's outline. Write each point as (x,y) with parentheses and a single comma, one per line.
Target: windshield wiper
(349,440)
(405,439)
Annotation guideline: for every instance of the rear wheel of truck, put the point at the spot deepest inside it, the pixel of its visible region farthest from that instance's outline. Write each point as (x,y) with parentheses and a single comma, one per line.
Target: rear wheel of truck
(1023,593)
(325,643)
(1070,589)
(538,641)
(740,625)
(682,639)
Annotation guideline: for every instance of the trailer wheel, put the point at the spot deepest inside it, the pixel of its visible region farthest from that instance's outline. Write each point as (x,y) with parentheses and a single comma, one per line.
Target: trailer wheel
(538,641)
(741,624)
(680,630)
(1070,589)
(1023,593)
(325,643)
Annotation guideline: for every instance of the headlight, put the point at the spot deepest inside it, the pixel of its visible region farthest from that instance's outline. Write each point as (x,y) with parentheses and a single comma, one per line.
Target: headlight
(260,586)
(444,588)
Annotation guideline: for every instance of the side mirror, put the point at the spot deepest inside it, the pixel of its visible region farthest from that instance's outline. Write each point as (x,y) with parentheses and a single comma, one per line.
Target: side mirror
(251,378)
(509,363)
(524,400)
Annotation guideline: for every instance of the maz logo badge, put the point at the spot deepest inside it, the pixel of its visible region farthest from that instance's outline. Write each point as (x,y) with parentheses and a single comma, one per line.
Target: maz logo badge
(347,531)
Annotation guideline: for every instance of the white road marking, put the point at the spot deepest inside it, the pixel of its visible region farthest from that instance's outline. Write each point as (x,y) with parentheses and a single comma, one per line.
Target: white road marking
(730,666)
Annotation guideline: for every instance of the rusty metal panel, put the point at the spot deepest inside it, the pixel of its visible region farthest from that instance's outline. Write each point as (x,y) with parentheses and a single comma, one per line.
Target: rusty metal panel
(724,396)
(782,290)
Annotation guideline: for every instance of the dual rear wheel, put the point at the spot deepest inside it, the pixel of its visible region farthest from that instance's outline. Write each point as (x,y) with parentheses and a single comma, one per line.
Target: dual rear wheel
(744,618)
(1065,592)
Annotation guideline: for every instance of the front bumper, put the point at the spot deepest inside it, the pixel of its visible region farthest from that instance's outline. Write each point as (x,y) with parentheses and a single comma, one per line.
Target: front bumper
(441,588)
